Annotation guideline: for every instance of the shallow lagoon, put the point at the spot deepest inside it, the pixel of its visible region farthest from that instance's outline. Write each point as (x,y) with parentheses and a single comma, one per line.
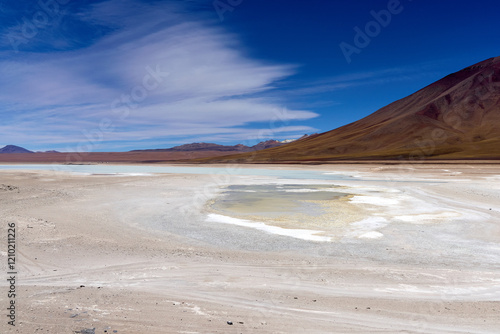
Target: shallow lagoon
(275,199)
(143,169)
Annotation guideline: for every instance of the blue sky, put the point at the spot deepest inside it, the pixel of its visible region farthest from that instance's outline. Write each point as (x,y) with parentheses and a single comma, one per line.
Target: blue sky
(118,75)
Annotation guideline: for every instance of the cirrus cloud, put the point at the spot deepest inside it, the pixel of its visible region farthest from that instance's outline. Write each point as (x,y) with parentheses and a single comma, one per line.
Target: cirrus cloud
(53,98)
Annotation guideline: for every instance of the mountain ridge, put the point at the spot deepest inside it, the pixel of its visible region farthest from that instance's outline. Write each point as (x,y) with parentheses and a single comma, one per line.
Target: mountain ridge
(456,117)
(217,147)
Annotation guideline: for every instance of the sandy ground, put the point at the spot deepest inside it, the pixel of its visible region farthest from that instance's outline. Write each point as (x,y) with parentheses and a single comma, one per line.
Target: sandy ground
(414,249)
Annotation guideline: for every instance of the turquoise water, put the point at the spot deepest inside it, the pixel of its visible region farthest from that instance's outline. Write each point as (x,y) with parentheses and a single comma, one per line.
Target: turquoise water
(232,170)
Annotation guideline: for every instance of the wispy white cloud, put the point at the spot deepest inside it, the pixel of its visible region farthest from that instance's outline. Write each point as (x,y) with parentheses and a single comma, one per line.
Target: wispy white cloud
(367,78)
(160,73)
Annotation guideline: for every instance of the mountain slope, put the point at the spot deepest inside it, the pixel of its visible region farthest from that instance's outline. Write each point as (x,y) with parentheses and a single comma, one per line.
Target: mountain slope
(454,118)
(13,149)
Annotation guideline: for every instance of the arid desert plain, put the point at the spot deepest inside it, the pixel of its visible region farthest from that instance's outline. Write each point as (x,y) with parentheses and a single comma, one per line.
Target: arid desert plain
(345,248)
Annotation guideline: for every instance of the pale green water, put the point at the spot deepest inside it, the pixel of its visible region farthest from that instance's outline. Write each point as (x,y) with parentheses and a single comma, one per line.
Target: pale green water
(274,200)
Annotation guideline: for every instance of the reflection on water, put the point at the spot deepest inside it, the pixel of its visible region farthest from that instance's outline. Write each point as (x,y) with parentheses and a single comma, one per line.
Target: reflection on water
(140,169)
(273,201)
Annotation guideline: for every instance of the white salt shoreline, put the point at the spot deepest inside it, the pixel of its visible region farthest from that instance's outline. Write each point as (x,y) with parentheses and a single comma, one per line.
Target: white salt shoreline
(294,233)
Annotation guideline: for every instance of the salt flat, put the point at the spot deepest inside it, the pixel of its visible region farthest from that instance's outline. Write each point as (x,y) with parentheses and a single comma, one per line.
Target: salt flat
(411,248)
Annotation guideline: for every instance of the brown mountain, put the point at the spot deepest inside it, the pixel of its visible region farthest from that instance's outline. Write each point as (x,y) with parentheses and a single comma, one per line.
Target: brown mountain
(457,117)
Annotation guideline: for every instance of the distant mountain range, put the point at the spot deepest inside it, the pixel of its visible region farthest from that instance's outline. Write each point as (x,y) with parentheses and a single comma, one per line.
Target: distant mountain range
(14,149)
(195,147)
(19,149)
(457,117)
(182,152)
